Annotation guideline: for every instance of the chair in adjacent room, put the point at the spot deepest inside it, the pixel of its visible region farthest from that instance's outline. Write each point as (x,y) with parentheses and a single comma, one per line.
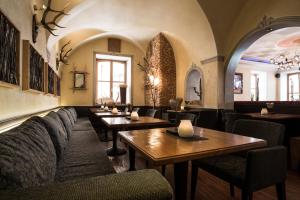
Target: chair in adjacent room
(151,112)
(253,170)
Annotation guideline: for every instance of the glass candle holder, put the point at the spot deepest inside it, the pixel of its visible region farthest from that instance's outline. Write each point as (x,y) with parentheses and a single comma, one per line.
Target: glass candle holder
(134,116)
(185,128)
(114,111)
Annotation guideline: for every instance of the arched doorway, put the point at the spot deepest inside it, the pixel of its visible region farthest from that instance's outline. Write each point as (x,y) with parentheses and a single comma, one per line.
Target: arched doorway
(266,26)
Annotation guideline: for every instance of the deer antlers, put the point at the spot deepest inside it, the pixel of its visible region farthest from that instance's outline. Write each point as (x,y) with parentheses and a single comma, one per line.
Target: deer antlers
(47,25)
(63,54)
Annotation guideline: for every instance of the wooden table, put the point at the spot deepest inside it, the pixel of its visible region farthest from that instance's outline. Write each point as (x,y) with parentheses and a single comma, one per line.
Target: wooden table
(103,114)
(161,148)
(273,116)
(122,123)
(96,110)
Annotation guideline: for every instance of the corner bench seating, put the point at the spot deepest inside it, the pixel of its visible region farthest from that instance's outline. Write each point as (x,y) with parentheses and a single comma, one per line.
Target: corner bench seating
(59,156)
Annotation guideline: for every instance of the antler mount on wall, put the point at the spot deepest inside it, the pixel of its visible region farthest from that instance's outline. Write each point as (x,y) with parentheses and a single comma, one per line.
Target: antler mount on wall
(50,25)
(63,55)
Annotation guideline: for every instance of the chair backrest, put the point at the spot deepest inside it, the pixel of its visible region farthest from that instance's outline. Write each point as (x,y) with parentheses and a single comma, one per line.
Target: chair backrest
(207,119)
(231,117)
(151,112)
(272,132)
(185,116)
(135,109)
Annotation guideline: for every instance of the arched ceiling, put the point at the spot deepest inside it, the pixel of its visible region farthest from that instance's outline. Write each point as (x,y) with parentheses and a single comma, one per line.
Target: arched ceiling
(137,21)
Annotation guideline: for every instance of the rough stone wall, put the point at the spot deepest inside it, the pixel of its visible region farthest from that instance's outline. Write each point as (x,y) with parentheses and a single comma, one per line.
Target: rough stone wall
(161,56)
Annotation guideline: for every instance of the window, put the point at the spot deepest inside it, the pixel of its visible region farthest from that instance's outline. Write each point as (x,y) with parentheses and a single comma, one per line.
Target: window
(254,87)
(293,87)
(110,74)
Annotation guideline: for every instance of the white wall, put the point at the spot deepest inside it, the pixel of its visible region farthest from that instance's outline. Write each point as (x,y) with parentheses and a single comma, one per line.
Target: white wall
(268,87)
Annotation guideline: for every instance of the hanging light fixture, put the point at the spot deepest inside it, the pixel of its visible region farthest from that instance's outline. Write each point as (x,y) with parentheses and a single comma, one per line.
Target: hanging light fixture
(285,63)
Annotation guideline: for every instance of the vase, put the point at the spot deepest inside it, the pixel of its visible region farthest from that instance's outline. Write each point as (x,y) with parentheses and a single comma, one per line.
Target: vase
(185,128)
(123,88)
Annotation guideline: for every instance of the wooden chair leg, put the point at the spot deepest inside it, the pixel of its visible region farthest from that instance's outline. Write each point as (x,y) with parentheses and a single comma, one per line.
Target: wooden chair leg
(163,170)
(194,179)
(246,195)
(280,189)
(231,190)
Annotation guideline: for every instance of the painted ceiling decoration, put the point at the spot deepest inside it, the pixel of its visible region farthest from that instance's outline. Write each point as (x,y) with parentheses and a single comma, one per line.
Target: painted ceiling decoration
(280,42)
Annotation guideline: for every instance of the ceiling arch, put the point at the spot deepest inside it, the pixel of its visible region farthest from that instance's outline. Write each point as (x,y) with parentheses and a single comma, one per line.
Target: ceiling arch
(139,22)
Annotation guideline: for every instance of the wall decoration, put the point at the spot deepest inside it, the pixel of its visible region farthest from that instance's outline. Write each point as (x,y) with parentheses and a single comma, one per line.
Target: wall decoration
(63,55)
(238,83)
(9,51)
(35,28)
(51,76)
(79,80)
(57,86)
(114,45)
(36,81)
(50,26)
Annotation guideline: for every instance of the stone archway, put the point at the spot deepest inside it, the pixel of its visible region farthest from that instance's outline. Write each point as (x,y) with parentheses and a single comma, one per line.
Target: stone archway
(266,26)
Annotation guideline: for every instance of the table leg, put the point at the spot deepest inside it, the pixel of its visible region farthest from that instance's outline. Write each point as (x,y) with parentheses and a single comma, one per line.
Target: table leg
(131,159)
(181,176)
(115,151)
(104,136)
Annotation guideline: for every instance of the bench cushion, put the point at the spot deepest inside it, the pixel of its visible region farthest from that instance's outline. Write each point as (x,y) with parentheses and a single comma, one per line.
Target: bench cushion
(83,124)
(27,156)
(66,121)
(58,135)
(84,157)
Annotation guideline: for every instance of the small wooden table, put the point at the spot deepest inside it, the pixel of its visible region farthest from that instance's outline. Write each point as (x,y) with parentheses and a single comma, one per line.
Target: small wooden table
(122,123)
(103,114)
(161,148)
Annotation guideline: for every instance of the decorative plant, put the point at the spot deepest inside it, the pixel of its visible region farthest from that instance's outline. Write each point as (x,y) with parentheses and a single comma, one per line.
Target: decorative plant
(151,79)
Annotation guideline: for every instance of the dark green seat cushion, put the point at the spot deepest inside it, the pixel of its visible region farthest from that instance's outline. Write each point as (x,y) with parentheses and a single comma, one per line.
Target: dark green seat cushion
(66,121)
(231,168)
(83,124)
(27,156)
(138,185)
(58,135)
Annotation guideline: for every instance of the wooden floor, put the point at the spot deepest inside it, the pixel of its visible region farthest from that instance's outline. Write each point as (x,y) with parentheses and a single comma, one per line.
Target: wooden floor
(210,187)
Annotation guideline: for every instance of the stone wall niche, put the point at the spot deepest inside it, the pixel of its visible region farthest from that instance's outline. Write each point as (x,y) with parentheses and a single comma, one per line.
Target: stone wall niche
(194,87)
(160,55)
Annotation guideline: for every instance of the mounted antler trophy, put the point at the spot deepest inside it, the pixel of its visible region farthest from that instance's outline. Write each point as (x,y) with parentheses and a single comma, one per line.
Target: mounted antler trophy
(63,55)
(50,26)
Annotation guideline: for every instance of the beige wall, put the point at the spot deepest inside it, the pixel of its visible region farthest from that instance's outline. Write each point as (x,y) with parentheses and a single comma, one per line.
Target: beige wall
(14,101)
(83,58)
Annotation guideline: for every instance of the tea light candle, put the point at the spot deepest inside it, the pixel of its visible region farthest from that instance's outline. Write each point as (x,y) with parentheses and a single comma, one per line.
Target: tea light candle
(185,128)
(134,116)
(264,111)
(114,111)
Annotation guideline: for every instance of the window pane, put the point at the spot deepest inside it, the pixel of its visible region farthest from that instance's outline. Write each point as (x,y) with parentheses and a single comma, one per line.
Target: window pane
(104,71)
(119,71)
(103,90)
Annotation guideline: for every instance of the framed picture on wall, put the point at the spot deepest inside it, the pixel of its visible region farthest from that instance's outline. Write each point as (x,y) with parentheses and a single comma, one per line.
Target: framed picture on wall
(238,83)
(79,80)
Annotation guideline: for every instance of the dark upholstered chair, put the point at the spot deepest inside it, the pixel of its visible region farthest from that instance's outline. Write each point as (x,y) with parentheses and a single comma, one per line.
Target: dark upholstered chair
(151,112)
(231,117)
(207,119)
(255,170)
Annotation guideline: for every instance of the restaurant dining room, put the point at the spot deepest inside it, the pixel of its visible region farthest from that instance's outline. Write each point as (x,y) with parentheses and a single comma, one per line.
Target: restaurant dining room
(149,100)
